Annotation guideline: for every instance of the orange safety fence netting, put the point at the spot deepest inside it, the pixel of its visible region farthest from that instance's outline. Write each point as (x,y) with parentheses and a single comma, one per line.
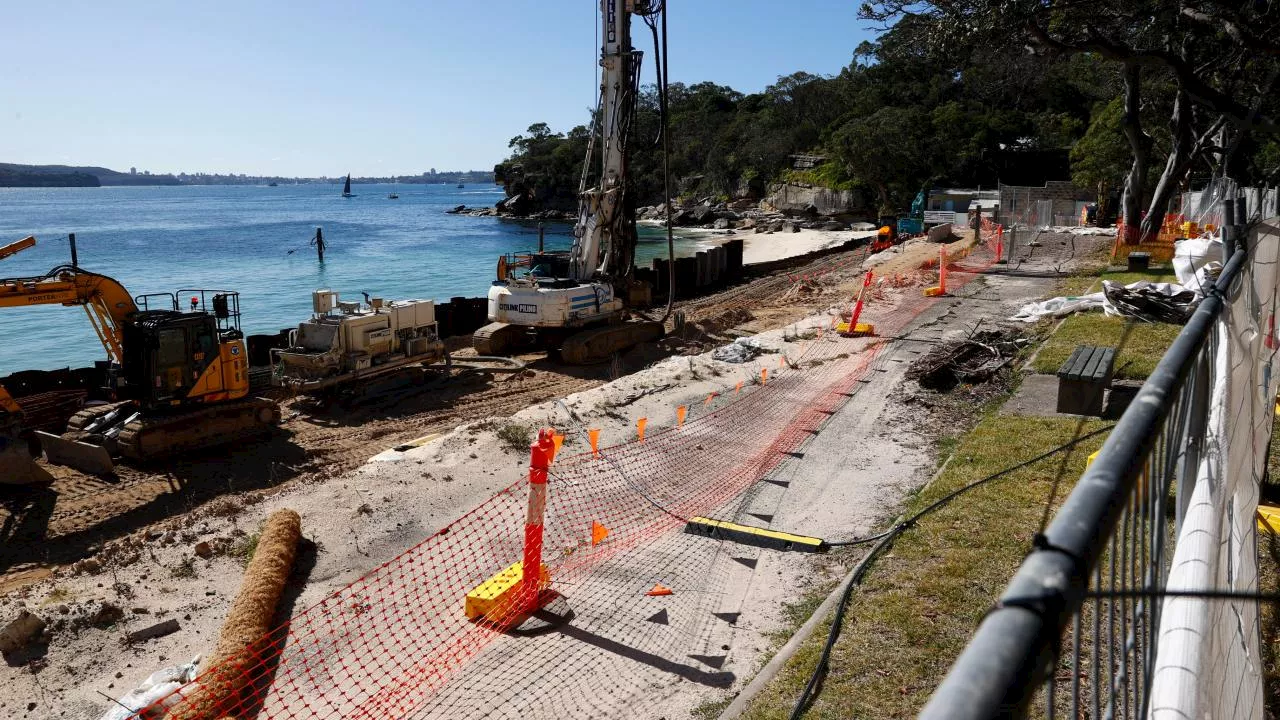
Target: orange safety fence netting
(382,646)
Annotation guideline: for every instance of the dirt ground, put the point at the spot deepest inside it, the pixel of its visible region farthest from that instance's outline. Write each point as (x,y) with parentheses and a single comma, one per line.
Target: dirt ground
(358,515)
(48,526)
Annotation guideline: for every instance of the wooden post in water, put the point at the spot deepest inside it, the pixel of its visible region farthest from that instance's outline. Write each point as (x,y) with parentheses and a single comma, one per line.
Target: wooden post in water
(318,243)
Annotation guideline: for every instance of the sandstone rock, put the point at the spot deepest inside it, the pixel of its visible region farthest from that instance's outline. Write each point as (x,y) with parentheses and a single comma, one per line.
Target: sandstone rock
(203,549)
(88,565)
(833,225)
(21,631)
(721,224)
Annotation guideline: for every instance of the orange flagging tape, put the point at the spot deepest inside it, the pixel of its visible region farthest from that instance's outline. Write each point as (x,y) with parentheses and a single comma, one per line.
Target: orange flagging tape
(659,589)
(594,435)
(680,413)
(556,441)
(738,388)
(598,533)
(640,427)
(710,396)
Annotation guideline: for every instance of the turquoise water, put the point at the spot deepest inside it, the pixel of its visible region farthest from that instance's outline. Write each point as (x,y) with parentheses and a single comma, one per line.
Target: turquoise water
(161,239)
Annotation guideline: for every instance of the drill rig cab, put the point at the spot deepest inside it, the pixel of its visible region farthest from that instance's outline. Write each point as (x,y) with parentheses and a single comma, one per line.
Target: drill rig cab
(576,302)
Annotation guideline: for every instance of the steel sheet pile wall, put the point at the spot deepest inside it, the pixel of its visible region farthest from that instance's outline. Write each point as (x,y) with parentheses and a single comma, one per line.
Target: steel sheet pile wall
(390,642)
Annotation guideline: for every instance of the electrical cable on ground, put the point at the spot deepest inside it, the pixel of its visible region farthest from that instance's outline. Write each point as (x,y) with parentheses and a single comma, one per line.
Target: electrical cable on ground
(885,539)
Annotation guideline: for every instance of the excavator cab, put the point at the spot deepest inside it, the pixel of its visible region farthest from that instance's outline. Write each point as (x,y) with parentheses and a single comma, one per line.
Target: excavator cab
(174,356)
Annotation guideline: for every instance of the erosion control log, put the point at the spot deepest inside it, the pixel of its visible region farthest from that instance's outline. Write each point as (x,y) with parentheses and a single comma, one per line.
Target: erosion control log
(242,645)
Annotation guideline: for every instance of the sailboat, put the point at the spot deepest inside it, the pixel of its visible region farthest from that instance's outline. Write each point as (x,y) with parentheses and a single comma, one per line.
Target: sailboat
(393,195)
(346,189)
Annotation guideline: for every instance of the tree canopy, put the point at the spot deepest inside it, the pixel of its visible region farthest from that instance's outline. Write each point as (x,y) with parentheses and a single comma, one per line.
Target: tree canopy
(969,93)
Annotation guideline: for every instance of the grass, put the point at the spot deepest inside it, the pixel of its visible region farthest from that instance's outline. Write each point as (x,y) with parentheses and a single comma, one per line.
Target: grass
(245,547)
(1140,345)
(515,436)
(184,569)
(1269,582)
(921,601)
(1087,280)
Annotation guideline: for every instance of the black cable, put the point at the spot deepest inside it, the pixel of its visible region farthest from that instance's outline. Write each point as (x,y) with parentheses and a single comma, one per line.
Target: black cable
(887,537)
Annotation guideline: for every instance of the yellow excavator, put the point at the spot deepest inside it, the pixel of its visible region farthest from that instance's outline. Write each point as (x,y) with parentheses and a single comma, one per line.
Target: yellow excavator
(178,377)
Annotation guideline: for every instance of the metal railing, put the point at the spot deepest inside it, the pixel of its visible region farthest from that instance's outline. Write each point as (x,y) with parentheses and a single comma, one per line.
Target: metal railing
(1075,632)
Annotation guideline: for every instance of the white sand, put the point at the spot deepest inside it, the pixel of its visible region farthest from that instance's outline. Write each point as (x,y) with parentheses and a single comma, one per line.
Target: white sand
(767,247)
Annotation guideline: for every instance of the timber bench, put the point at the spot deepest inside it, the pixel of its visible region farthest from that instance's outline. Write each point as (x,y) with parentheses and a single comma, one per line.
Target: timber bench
(1084,378)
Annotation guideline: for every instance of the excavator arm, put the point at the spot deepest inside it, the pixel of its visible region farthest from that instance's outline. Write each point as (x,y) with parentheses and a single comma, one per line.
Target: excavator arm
(105,300)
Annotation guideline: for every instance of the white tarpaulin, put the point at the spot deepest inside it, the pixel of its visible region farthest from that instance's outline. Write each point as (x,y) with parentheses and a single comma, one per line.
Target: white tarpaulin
(1208,663)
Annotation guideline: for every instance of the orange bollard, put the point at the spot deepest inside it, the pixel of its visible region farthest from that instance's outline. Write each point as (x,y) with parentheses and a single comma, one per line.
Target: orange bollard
(942,268)
(738,388)
(594,435)
(680,413)
(640,427)
(764,376)
(856,312)
(999,242)
(540,454)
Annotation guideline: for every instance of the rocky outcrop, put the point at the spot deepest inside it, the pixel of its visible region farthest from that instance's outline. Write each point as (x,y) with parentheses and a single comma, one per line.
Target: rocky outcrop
(810,200)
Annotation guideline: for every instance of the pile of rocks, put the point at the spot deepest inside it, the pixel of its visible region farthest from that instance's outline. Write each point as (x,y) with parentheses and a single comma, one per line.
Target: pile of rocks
(737,215)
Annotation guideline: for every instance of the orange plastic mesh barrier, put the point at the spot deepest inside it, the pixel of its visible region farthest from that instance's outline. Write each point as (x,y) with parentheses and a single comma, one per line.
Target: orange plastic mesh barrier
(385,645)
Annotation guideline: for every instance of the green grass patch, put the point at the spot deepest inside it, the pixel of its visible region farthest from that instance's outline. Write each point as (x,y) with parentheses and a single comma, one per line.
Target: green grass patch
(1140,345)
(922,600)
(1089,280)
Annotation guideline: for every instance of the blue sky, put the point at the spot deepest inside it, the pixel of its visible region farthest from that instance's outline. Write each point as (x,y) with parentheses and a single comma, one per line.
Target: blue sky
(374,88)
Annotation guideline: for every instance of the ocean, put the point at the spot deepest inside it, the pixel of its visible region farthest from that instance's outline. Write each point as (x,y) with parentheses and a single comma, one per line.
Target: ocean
(255,240)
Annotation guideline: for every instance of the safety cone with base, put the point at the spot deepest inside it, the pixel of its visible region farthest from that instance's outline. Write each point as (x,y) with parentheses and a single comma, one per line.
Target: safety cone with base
(853,328)
(515,600)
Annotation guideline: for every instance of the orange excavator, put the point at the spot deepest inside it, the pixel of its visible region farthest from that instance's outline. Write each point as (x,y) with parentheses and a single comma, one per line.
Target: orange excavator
(178,378)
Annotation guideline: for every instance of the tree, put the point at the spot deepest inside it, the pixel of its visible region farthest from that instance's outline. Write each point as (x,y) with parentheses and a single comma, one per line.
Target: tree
(1101,158)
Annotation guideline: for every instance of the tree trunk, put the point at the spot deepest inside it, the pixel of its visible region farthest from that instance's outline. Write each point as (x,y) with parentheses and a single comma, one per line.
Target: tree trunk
(1140,145)
(1175,168)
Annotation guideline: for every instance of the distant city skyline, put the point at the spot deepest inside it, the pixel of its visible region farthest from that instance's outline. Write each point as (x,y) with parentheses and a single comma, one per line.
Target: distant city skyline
(377,89)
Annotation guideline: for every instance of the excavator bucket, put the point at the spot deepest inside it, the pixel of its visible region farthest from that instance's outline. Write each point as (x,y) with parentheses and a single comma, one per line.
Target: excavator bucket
(91,459)
(16,465)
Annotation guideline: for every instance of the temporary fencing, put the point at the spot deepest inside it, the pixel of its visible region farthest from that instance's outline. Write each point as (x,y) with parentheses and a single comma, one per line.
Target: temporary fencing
(1139,598)
(390,643)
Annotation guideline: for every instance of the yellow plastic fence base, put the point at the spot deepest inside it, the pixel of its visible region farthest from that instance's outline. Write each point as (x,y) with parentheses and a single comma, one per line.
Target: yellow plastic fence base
(858,330)
(934,292)
(1269,519)
(748,535)
(495,595)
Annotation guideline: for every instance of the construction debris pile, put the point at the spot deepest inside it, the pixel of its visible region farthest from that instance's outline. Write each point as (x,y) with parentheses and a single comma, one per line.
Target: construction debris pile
(972,360)
(1150,304)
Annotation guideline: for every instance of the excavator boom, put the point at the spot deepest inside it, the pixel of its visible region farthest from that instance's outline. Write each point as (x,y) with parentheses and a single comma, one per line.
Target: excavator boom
(104,299)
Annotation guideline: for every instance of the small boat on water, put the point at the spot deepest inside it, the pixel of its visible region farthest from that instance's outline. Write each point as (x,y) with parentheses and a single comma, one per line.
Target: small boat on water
(271,184)
(393,195)
(346,189)
(460,185)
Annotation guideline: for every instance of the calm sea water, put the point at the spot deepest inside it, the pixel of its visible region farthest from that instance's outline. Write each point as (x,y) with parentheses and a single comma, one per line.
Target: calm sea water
(162,239)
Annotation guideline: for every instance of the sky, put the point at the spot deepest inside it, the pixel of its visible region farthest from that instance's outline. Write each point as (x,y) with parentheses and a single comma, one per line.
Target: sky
(374,88)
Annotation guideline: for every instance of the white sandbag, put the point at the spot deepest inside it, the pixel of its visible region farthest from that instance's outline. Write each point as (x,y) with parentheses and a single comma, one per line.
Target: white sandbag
(1059,306)
(159,684)
(1192,255)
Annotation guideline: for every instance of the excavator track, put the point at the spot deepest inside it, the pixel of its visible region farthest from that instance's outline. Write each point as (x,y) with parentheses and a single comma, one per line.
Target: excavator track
(498,338)
(155,437)
(600,343)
